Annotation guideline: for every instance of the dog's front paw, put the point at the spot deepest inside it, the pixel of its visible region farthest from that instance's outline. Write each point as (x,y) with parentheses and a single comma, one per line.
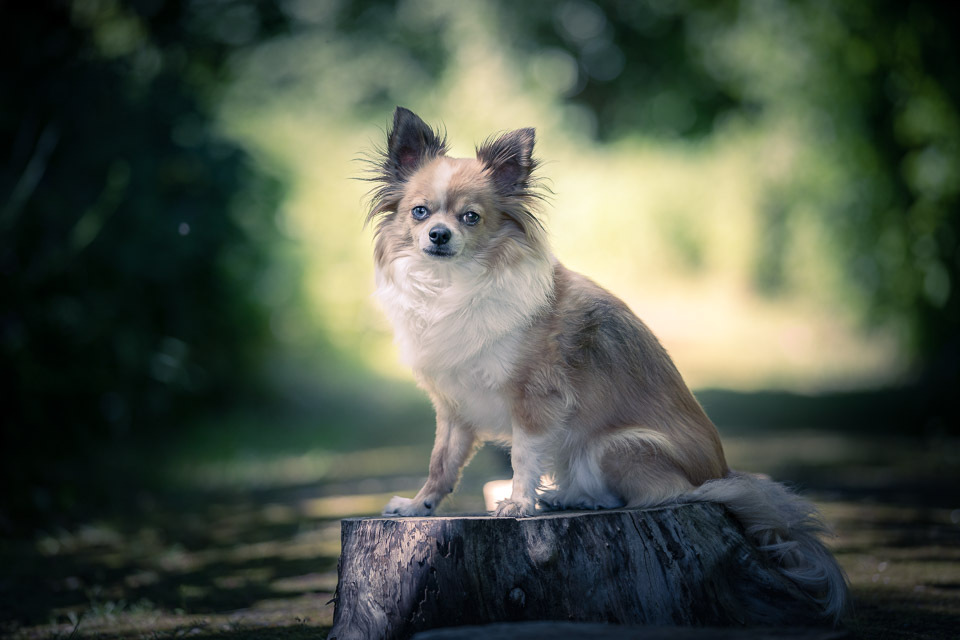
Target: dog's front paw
(405,507)
(515,508)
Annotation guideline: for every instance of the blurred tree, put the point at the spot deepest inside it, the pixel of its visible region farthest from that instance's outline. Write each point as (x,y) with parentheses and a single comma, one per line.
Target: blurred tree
(637,70)
(872,87)
(131,234)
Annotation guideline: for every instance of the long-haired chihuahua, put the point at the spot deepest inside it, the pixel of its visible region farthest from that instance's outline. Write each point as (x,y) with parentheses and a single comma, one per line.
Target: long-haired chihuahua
(511,346)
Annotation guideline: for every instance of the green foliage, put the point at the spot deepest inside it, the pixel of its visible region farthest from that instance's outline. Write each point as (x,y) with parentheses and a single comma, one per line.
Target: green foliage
(131,232)
(637,63)
(870,85)
(138,248)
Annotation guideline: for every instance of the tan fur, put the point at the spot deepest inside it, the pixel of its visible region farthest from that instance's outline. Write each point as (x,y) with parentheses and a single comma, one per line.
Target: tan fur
(622,383)
(511,346)
(570,372)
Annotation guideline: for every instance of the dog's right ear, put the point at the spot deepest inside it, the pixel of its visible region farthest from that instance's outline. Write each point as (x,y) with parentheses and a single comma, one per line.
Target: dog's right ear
(410,143)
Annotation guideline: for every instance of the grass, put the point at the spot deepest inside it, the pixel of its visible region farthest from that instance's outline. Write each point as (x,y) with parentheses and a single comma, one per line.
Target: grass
(234,530)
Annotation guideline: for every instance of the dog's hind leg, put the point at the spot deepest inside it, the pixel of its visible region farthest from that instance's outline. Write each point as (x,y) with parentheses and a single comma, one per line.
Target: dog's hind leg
(630,467)
(637,465)
(580,481)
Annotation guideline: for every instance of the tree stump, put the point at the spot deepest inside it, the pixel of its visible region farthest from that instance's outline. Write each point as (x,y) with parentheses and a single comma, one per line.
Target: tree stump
(600,631)
(677,565)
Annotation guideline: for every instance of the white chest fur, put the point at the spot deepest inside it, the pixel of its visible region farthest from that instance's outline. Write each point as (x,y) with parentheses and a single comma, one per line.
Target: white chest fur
(460,328)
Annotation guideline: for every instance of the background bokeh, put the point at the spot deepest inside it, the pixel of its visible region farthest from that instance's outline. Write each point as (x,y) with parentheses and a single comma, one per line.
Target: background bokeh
(185,280)
(772,186)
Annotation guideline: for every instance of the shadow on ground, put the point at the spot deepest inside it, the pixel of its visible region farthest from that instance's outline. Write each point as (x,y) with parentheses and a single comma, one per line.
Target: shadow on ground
(233,531)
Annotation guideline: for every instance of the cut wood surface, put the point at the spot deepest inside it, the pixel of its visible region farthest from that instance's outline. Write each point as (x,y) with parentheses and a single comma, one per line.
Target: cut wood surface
(677,565)
(598,631)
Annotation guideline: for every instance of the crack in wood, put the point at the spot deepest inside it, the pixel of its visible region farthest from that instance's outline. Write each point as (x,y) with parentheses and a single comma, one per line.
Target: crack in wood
(679,565)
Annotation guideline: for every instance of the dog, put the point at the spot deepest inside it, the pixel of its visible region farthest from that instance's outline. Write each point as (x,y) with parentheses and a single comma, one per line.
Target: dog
(513,347)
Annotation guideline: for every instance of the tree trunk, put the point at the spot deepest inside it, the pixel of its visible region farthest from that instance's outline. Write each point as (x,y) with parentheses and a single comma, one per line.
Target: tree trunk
(677,565)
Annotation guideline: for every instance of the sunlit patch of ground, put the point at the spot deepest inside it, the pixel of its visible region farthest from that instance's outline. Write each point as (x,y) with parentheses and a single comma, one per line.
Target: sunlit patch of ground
(286,618)
(895,510)
(233,571)
(903,563)
(237,556)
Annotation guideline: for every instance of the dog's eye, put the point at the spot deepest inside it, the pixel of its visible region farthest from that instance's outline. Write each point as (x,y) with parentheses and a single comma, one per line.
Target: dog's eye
(471,218)
(419,213)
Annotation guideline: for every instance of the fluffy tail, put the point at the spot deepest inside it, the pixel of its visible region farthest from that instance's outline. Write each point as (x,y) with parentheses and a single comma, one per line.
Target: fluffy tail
(787,530)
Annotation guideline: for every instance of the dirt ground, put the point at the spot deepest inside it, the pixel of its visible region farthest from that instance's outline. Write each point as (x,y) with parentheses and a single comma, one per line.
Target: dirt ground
(222,556)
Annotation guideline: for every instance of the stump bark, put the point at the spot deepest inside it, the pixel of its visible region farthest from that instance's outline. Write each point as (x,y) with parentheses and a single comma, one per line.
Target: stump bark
(677,565)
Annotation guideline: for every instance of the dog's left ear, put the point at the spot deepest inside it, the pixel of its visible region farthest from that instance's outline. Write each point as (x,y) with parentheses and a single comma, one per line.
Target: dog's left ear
(509,159)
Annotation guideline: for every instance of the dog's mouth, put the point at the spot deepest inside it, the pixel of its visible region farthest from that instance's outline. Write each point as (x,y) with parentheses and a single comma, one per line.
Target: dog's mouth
(439,252)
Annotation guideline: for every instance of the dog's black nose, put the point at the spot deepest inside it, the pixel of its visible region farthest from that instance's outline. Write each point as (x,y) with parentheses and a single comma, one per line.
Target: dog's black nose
(440,235)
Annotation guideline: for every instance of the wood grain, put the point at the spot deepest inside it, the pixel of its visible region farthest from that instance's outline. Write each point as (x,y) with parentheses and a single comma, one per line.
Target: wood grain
(678,565)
